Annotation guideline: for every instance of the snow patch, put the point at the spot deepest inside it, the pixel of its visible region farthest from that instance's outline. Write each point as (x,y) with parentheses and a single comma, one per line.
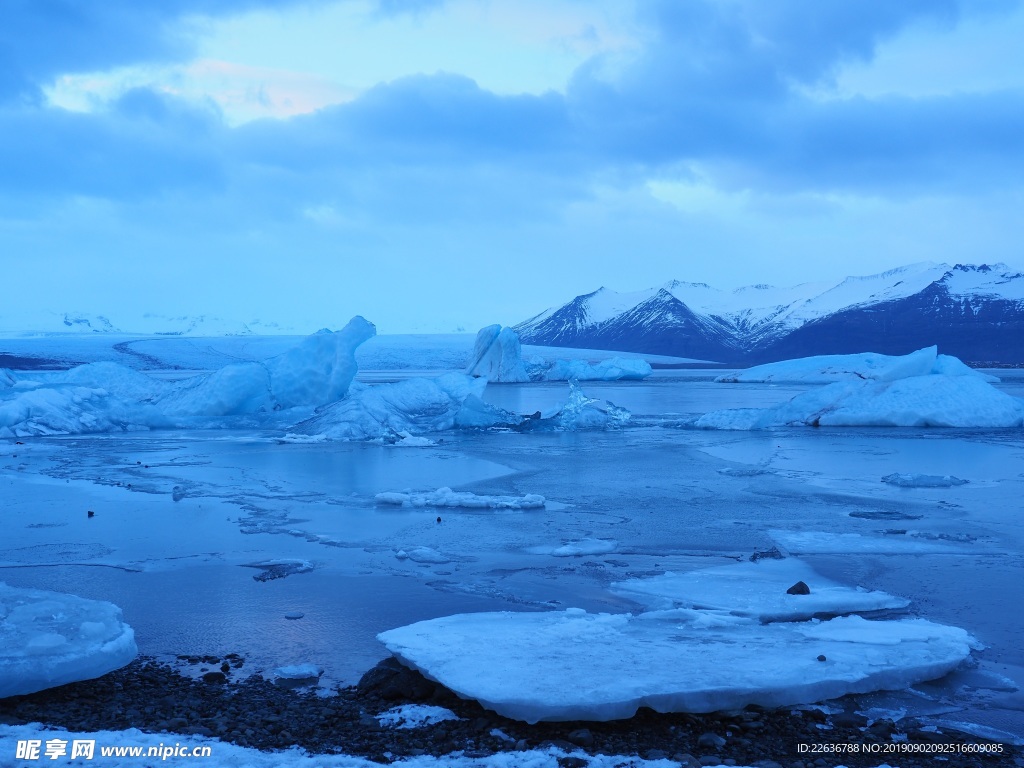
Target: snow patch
(408,716)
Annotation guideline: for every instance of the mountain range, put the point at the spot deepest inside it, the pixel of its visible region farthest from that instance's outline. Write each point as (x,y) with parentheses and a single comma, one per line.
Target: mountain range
(975,312)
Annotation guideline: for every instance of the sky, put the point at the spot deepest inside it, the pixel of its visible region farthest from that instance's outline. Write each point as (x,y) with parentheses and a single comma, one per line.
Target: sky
(440,165)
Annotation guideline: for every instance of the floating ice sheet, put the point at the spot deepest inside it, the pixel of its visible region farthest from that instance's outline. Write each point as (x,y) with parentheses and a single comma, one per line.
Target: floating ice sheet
(49,639)
(756,590)
(824,542)
(573,665)
(923,481)
(446,497)
(577,548)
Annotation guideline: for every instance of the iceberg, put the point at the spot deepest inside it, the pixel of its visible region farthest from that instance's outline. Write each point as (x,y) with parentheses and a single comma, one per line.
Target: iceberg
(320,369)
(902,397)
(234,390)
(757,590)
(411,406)
(446,497)
(49,639)
(582,412)
(826,369)
(107,397)
(574,665)
(497,357)
(70,410)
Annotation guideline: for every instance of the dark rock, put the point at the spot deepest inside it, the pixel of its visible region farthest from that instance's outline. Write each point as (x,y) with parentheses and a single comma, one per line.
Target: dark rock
(710,741)
(581,737)
(572,762)
(767,554)
(821,657)
(800,588)
(390,680)
(215,677)
(849,720)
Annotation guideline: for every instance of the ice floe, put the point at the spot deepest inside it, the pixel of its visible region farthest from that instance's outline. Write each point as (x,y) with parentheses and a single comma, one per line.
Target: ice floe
(49,639)
(824,542)
(577,548)
(923,481)
(446,497)
(425,555)
(826,369)
(297,672)
(757,590)
(574,665)
(279,568)
(903,397)
(408,716)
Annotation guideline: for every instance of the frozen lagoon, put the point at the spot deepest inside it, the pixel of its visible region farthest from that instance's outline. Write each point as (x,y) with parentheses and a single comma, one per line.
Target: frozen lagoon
(657,496)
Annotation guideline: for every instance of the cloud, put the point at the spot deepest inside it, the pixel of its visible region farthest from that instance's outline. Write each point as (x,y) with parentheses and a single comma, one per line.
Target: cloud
(41,39)
(715,93)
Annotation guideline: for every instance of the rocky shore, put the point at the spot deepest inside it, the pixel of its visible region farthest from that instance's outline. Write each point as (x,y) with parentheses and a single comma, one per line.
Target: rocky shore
(211,696)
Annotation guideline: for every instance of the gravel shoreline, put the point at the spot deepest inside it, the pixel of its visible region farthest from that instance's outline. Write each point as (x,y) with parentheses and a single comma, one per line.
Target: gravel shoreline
(215,700)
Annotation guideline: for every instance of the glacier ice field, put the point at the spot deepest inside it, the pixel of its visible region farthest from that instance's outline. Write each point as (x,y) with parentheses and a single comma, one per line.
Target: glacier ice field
(213,526)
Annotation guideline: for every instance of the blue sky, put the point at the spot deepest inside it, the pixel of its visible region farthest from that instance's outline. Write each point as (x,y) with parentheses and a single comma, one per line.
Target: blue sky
(444,164)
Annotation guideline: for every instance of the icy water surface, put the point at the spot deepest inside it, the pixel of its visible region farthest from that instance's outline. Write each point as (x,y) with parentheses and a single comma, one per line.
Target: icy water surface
(207,540)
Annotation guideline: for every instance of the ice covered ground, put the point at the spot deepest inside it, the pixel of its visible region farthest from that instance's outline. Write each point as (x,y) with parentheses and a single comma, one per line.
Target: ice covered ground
(180,514)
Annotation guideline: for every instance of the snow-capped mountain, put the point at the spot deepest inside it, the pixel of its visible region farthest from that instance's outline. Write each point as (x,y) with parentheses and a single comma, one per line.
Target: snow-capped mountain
(973,312)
